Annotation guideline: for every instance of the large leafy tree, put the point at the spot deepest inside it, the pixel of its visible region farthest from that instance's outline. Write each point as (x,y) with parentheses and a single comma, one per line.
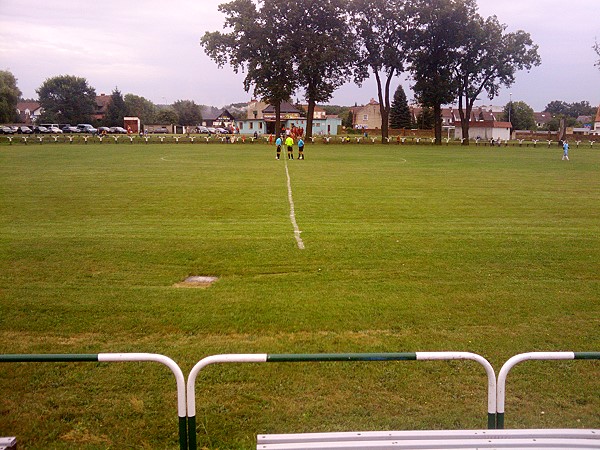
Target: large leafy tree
(67,99)
(167,116)
(381,32)
(438,32)
(488,60)
(521,115)
(116,110)
(254,45)
(188,111)
(319,34)
(400,116)
(9,96)
(140,107)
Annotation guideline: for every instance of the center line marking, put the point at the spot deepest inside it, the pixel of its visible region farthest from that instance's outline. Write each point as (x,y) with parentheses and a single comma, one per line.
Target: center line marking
(292,211)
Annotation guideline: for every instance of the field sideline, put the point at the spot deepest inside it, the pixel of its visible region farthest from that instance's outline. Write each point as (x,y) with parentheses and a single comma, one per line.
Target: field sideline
(406,248)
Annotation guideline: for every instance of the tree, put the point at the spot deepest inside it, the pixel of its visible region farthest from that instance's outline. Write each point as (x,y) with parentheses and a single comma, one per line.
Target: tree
(426,119)
(438,30)
(116,110)
(140,107)
(348,119)
(188,112)
(521,116)
(257,47)
(400,116)
(167,116)
(319,34)
(557,107)
(381,31)
(489,59)
(9,96)
(67,99)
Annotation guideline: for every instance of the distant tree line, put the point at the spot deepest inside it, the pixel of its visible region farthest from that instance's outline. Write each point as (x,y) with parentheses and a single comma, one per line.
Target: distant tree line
(450,52)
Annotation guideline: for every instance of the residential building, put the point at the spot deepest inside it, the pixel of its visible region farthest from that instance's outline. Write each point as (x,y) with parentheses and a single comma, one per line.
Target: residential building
(367,116)
(597,122)
(262,121)
(224,119)
(28,111)
(101,106)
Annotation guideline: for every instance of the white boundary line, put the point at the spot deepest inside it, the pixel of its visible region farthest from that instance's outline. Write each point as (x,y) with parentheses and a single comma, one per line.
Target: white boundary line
(292,210)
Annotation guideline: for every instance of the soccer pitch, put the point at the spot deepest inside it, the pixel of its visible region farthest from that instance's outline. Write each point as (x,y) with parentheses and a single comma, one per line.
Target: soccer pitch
(405,248)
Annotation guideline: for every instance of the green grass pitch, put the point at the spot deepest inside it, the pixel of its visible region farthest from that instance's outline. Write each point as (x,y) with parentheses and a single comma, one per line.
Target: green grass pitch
(407,248)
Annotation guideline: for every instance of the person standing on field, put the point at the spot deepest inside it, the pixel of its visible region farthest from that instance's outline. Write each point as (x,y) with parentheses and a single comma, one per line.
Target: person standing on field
(278,144)
(565,151)
(289,143)
(300,148)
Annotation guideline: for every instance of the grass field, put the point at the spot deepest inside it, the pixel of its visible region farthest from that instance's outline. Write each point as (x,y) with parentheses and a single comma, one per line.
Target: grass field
(407,248)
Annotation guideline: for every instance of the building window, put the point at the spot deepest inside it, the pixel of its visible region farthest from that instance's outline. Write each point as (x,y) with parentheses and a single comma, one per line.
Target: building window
(365,117)
(251,125)
(260,125)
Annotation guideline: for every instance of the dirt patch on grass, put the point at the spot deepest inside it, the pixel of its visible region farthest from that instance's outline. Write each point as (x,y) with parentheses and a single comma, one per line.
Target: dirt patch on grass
(196,282)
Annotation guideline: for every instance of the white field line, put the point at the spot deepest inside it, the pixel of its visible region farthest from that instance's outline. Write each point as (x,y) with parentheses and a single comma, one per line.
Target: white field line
(292,210)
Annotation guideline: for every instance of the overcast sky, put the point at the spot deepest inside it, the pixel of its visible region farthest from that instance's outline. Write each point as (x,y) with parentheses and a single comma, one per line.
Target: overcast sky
(151,48)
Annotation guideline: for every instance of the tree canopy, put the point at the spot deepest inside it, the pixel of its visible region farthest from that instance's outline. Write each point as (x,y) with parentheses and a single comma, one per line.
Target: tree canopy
(188,112)
(140,107)
(400,116)
(257,47)
(521,115)
(9,96)
(381,31)
(116,110)
(67,99)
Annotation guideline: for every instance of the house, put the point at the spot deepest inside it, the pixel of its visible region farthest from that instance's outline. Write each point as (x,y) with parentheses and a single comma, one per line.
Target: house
(367,116)
(255,109)
(485,130)
(262,121)
(224,119)
(28,111)
(101,106)
(597,122)
(542,118)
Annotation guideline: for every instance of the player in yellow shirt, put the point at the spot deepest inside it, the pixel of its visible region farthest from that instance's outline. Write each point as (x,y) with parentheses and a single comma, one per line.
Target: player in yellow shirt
(289,143)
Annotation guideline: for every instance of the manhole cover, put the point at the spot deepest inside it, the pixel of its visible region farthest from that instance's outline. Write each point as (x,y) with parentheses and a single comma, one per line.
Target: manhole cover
(197,281)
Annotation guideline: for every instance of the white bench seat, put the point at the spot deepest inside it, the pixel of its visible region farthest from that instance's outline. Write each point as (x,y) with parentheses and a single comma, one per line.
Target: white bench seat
(435,440)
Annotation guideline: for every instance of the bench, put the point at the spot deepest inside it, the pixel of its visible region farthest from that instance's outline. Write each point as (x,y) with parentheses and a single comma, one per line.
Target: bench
(438,439)
(8,443)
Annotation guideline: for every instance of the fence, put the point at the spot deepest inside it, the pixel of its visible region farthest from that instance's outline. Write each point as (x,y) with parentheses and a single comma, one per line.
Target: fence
(186,402)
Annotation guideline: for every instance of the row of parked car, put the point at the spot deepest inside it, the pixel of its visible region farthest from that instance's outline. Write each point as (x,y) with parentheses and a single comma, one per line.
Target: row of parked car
(213,130)
(59,129)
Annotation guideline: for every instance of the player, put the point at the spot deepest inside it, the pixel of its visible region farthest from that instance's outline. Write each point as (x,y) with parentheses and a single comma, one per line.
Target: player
(300,149)
(565,151)
(289,143)
(278,144)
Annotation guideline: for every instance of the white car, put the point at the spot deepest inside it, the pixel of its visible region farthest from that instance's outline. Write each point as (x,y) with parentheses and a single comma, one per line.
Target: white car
(54,130)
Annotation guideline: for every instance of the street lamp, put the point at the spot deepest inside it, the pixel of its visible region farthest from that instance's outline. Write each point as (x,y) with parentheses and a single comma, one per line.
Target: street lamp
(509,107)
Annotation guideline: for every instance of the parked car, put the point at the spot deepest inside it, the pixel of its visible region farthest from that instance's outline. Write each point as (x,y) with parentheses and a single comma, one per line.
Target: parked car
(212,130)
(103,130)
(86,128)
(70,129)
(6,130)
(202,129)
(222,130)
(54,129)
(40,129)
(24,130)
(162,130)
(117,130)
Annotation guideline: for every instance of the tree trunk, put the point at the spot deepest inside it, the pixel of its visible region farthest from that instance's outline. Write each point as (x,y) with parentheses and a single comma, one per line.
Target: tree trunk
(437,121)
(465,117)
(277,118)
(384,104)
(309,117)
